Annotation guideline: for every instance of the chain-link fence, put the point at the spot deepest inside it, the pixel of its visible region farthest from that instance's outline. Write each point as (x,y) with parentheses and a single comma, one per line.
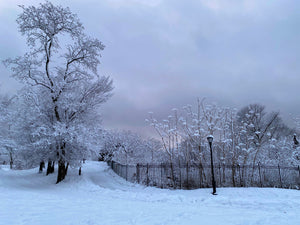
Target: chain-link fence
(191,176)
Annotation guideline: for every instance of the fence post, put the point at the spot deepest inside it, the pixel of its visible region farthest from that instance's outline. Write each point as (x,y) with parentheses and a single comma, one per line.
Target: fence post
(161,175)
(180,175)
(279,176)
(220,175)
(138,173)
(239,170)
(224,173)
(244,175)
(147,182)
(200,175)
(187,176)
(260,174)
(233,174)
(126,171)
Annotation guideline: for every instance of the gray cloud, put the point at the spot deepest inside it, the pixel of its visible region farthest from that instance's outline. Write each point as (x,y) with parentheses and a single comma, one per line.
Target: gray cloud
(165,54)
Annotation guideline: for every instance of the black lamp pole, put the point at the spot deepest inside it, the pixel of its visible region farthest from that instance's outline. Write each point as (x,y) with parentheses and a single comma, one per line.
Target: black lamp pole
(210,140)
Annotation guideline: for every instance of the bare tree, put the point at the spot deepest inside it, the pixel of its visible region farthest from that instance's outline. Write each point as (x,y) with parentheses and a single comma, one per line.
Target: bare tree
(260,127)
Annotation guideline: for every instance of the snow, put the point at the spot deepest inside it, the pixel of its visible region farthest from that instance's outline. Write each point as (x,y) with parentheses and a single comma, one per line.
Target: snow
(99,196)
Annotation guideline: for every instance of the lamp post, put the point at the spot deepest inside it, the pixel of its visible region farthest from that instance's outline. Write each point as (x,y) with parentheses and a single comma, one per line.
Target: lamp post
(210,140)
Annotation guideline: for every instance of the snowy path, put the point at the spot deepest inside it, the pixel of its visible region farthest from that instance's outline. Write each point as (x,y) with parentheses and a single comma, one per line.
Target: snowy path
(101,197)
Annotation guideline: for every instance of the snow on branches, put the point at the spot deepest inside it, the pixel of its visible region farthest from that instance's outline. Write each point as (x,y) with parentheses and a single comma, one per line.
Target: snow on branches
(61,73)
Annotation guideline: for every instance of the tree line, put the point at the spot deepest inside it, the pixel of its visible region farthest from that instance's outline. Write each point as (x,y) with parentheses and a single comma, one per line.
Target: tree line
(247,136)
(244,140)
(242,137)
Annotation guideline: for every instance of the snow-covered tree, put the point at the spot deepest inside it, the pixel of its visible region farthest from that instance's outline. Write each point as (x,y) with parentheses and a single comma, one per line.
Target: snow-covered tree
(61,69)
(127,147)
(7,142)
(240,136)
(261,128)
(169,133)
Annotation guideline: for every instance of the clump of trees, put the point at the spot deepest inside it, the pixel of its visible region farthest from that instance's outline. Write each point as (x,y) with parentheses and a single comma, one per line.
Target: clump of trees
(247,136)
(129,148)
(55,117)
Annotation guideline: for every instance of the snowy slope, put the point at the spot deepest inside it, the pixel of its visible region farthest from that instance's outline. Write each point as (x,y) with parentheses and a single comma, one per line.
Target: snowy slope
(101,197)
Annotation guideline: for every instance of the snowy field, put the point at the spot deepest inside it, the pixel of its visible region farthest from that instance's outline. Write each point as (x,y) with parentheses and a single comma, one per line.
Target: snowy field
(101,197)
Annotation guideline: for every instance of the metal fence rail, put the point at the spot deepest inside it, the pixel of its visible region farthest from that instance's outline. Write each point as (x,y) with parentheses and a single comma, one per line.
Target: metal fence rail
(191,176)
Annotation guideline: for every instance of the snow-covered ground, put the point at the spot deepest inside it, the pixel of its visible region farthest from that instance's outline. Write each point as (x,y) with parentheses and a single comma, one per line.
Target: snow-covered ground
(100,197)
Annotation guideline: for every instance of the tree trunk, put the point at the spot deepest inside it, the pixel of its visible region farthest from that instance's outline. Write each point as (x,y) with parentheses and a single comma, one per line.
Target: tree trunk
(172,171)
(11,160)
(79,173)
(50,167)
(42,166)
(253,167)
(62,166)
(62,171)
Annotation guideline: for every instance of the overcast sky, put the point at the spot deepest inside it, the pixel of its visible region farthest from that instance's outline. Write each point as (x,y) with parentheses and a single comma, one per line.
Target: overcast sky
(165,54)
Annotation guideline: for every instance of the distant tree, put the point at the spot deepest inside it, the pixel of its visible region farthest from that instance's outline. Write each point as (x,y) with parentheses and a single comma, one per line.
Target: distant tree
(8,116)
(260,126)
(169,134)
(154,148)
(128,147)
(194,132)
(64,75)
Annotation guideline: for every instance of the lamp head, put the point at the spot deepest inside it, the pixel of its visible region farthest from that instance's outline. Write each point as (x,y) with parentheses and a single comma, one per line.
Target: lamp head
(210,138)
